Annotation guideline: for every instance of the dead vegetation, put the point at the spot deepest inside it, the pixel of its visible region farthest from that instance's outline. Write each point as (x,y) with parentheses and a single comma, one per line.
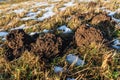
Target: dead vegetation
(33,57)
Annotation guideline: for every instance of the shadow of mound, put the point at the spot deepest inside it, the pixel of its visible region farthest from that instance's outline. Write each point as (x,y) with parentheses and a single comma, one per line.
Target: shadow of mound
(107,28)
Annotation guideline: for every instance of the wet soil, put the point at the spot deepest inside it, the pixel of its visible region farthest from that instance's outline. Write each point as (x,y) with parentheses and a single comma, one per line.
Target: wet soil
(85,35)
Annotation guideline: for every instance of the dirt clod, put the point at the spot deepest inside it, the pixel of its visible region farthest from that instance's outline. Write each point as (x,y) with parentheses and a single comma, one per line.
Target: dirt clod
(85,35)
(47,46)
(16,42)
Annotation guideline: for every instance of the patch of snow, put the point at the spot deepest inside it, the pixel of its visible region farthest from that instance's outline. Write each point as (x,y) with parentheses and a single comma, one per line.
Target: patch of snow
(3,34)
(18,11)
(65,29)
(62,8)
(58,69)
(20,27)
(70,79)
(69,4)
(116,20)
(33,33)
(111,14)
(30,14)
(46,15)
(116,44)
(49,8)
(86,0)
(4,39)
(45,31)
(28,18)
(56,0)
(73,59)
(40,4)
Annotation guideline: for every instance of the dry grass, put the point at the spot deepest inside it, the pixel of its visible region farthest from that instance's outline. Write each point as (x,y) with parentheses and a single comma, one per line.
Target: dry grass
(101,63)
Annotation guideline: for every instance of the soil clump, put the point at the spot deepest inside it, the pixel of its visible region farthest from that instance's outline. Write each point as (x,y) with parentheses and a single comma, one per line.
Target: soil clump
(85,35)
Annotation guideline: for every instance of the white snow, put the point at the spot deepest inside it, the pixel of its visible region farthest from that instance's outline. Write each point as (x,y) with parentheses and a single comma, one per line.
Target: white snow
(40,4)
(62,8)
(31,14)
(49,13)
(116,44)
(69,4)
(45,31)
(65,29)
(56,0)
(33,33)
(46,15)
(4,39)
(3,34)
(20,27)
(58,69)
(18,11)
(116,20)
(28,18)
(73,59)
(111,13)
(70,79)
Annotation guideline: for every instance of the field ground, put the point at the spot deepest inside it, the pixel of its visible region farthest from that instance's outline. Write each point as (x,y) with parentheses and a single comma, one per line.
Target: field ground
(60,40)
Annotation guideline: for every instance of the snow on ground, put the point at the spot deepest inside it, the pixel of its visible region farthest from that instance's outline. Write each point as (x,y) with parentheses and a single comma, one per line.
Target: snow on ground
(46,15)
(20,27)
(58,69)
(65,29)
(116,44)
(112,13)
(29,6)
(69,4)
(73,59)
(3,34)
(19,11)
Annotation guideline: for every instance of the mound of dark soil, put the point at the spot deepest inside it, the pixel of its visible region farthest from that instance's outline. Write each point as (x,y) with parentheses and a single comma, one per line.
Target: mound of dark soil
(16,42)
(47,46)
(17,39)
(85,35)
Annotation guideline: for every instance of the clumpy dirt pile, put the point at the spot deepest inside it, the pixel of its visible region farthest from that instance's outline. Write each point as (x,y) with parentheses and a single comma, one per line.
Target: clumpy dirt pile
(85,35)
(16,42)
(95,27)
(47,46)
(104,23)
